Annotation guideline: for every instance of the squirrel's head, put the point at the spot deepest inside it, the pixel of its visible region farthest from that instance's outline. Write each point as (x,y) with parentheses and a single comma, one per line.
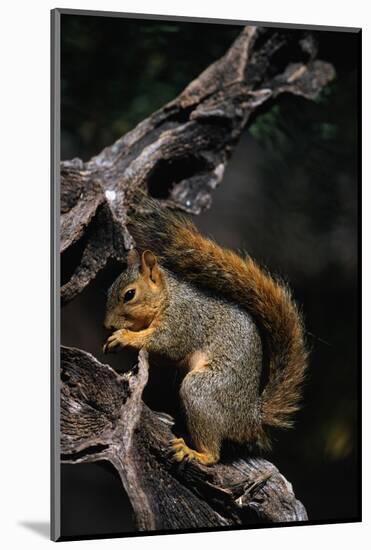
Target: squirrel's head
(138,295)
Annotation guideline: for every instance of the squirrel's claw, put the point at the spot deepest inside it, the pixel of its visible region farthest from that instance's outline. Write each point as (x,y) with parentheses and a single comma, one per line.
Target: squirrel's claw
(113,342)
(178,447)
(182,451)
(106,348)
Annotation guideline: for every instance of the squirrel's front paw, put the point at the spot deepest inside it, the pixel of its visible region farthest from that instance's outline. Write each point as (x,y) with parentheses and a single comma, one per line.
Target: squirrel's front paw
(116,340)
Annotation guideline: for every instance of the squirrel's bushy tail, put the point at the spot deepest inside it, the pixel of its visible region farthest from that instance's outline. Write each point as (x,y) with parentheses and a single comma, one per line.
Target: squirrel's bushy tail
(199,260)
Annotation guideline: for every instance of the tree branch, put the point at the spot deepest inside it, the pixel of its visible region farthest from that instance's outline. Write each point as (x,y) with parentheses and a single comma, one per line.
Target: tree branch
(103,417)
(179,153)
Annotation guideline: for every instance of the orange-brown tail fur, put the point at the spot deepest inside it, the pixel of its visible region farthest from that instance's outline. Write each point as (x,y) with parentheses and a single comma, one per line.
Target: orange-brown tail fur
(199,260)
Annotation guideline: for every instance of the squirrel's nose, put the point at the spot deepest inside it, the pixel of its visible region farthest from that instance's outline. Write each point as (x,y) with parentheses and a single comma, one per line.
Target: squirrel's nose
(108,324)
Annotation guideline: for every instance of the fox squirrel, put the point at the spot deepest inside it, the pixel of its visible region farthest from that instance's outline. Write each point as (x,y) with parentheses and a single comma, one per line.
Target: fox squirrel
(206,307)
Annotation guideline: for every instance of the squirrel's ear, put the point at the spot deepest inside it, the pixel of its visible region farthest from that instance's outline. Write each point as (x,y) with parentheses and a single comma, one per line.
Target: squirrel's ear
(150,266)
(133,258)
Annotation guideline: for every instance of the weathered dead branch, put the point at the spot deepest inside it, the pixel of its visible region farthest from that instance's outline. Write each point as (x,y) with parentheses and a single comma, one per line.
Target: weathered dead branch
(103,417)
(179,153)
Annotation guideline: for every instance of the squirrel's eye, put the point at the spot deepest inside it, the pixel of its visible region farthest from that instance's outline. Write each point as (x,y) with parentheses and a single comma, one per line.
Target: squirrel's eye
(129,295)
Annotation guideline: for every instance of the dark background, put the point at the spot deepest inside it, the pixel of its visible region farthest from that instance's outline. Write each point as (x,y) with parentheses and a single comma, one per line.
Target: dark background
(289,197)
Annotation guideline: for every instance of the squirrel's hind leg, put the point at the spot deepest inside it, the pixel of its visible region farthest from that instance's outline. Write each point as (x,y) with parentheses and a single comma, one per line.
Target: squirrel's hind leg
(202,422)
